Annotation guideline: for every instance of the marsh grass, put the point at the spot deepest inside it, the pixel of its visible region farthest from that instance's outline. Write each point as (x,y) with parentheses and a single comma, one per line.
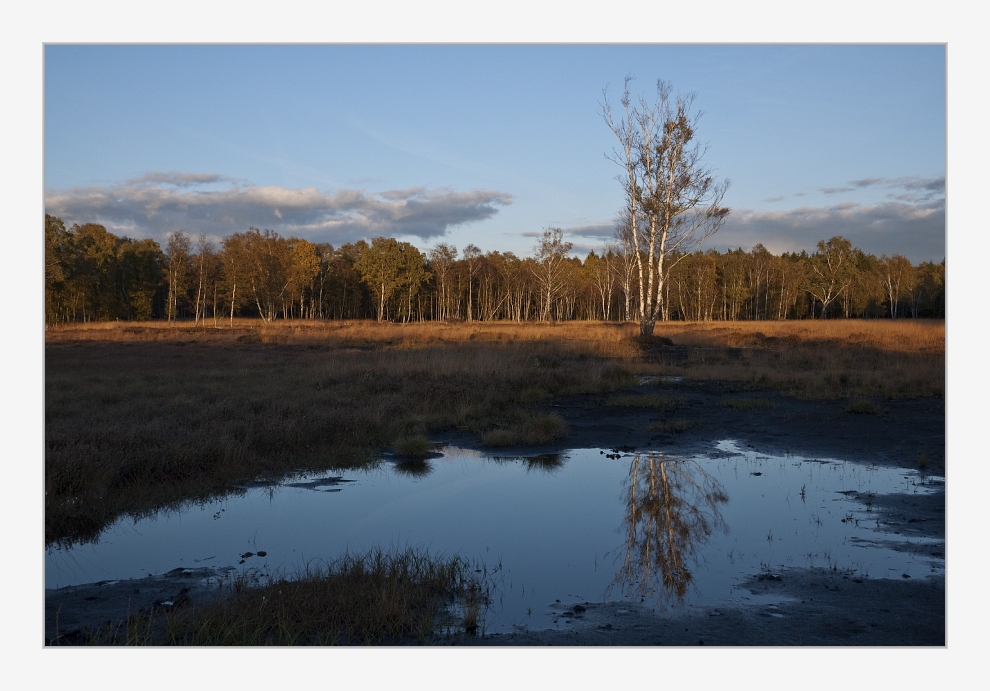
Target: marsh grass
(134,425)
(415,446)
(862,407)
(140,417)
(531,430)
(366,599)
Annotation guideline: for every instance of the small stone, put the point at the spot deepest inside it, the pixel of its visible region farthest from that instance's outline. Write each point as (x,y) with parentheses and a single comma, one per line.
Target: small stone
(262,554)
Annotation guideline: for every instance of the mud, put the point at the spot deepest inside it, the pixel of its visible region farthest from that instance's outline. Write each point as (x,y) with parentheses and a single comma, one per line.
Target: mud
(896,437)
(818,607)
(72,612)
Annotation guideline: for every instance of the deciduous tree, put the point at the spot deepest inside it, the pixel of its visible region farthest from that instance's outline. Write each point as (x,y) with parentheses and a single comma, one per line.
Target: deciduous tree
(830,274)
(665,177)
(177,267)
(551,265)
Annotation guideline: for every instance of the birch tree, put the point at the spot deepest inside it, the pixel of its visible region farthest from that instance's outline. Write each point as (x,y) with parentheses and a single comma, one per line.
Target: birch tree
(176,270)
(472,258)
(551,266)
(830,271)
(895,274)
(235,270)
(664,176)
(442,258)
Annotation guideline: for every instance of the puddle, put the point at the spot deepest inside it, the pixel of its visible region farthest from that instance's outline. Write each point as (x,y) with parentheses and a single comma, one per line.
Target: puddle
(586,525)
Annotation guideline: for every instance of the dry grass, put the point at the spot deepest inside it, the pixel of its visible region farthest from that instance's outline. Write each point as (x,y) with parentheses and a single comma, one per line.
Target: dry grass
(135,422)
(415,446)
(811,359)
(141,416)
(670,426)
(864,408)
(603,339)
(367,599)
(530,430)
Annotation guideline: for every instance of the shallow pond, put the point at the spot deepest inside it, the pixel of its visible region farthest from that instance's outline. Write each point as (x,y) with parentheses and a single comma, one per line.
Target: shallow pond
(586,525)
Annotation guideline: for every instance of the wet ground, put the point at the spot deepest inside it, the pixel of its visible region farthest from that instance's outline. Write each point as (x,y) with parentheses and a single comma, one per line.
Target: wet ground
(778,424)
(793,522)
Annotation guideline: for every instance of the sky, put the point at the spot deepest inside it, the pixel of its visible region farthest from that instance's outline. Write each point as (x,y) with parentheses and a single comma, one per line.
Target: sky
(489,144)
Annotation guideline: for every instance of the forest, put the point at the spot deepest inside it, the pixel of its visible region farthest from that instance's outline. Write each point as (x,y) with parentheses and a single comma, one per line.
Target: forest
(93,275)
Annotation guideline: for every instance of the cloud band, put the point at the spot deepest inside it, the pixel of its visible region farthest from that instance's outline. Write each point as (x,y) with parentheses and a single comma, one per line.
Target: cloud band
(158,203)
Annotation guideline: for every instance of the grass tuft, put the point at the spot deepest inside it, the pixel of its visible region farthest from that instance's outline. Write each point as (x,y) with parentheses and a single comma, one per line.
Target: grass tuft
(366,599)
(534,430)
(416,446)
(863,407)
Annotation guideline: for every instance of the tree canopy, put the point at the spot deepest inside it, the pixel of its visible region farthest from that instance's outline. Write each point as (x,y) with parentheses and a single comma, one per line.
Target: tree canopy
(93,275)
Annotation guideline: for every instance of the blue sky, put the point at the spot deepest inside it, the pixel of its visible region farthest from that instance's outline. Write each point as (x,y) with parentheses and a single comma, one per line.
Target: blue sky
(489,144)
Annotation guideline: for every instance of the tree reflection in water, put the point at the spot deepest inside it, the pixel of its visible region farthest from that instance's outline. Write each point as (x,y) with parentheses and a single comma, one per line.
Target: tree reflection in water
(672,508)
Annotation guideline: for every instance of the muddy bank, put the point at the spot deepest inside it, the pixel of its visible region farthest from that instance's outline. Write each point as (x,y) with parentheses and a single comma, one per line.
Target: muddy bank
(813,607)
(72,611)
(897,434)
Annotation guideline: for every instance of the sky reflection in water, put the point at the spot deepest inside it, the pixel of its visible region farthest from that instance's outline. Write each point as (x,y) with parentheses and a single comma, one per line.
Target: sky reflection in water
(668,531)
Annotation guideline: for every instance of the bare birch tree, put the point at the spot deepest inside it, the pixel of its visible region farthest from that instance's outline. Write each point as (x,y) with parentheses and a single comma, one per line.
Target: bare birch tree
(176,270)
(895,272)
(664,177)
(442,258)
(830,275)
(551,256)
(472,258)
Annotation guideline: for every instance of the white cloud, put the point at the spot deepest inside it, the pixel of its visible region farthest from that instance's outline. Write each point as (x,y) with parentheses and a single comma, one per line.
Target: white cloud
(602,231)
(916,230)
(179,179)
(158,203)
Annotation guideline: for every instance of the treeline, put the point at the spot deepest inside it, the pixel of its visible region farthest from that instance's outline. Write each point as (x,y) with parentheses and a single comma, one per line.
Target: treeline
(93,275)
